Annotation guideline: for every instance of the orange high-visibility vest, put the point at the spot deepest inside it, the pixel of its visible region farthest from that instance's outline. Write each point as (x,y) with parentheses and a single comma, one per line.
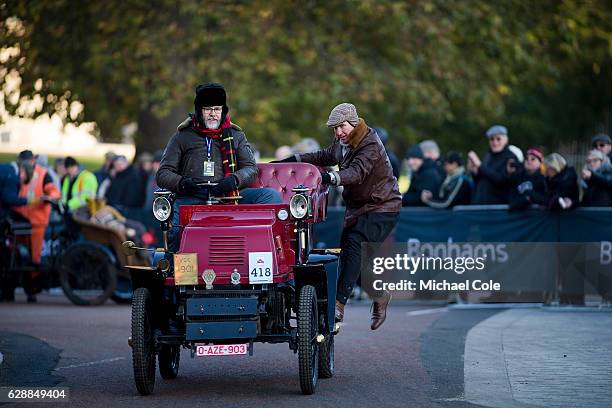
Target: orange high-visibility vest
(38,213)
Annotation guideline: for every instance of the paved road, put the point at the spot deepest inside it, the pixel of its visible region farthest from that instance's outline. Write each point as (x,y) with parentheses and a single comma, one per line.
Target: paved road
(424,356)
(86,349)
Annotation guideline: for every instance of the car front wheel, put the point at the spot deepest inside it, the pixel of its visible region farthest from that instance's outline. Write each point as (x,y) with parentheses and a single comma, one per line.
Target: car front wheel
(143,342)
(308,348)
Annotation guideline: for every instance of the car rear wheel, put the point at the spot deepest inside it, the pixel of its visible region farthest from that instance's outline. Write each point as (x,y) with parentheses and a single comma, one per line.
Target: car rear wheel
(308,348)
(169,360)
(87,274)
(326,357)
(143,342)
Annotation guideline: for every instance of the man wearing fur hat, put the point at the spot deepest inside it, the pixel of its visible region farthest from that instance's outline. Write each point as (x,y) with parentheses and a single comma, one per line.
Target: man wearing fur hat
(370,192)
(209,147)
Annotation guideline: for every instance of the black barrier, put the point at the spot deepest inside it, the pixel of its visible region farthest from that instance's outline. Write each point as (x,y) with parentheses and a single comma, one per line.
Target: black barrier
(577,243)
(486,224)
(581,268)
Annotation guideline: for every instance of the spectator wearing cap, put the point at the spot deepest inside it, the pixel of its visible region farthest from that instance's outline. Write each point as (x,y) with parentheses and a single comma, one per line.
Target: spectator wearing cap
(456,189)
(38,190)
(424,176)
(562,183)
(602,142)
(491,174)
(528,181)
(78,185)
(597,180)
(384,138)
(371,195)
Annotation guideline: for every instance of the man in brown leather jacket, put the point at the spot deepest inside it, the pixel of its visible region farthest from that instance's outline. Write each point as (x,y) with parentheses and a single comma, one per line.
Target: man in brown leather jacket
(371,194)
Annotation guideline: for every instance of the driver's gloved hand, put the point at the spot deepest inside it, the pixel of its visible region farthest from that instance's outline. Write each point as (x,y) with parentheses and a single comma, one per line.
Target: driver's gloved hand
(188,186)
(290,159)
(225,185)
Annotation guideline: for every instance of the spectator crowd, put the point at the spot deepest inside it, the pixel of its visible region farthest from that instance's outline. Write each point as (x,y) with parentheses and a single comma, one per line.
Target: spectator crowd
(506,175)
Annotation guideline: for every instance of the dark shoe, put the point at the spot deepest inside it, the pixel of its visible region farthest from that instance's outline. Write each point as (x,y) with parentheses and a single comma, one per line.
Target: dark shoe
(379,310)
(32,299)
(339,311)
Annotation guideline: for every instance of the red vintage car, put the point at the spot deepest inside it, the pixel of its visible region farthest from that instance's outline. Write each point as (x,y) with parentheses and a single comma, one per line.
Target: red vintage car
(244,274)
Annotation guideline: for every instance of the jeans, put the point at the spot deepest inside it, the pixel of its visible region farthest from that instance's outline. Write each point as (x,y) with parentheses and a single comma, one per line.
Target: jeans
(370,227)
(249,196)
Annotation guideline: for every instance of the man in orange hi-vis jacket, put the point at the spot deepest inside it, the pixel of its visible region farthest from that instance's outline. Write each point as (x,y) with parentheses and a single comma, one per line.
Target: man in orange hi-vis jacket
(39,187)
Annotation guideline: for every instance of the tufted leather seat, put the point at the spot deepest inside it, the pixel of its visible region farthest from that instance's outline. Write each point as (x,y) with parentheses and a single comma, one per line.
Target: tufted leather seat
(283,177)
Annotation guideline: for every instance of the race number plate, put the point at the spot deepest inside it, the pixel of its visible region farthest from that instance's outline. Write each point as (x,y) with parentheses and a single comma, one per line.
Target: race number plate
(185,269)
(221,350)
(260,267)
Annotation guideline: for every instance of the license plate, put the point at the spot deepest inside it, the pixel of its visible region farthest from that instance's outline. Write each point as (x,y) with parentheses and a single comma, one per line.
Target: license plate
(221,350)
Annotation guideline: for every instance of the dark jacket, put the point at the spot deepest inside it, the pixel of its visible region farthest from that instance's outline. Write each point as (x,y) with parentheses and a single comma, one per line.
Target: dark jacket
(426,178)
(456,189)
(527,189)
(9,188)
(598,189)
(126,189)
(493,181)
(186,153)
(364,171)
(395,163)
(564,184)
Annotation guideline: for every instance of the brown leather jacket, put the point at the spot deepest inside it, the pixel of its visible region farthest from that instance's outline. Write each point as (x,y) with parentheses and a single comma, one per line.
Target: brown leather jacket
(364,171)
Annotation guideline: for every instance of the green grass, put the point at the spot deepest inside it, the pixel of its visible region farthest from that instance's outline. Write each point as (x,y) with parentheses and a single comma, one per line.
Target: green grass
(88,162)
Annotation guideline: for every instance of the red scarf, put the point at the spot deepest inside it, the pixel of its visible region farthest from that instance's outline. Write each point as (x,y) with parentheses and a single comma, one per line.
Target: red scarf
(212,133)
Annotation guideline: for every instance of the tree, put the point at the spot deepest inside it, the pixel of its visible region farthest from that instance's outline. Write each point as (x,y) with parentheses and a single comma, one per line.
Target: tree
(419,68)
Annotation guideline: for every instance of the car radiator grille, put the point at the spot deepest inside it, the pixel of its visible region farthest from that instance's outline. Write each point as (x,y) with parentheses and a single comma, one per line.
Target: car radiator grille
(226,250)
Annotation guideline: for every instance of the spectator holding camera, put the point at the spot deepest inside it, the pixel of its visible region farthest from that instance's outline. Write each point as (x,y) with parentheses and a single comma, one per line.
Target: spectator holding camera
(562,183)
(597,180)
(528,181)
(491,174)
(456,189)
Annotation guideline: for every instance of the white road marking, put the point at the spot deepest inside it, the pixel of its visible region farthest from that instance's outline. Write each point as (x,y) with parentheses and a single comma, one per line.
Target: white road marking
(108,360)
(427,311)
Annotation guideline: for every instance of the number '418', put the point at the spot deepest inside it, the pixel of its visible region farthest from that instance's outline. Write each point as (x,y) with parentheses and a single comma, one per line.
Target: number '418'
(261,272)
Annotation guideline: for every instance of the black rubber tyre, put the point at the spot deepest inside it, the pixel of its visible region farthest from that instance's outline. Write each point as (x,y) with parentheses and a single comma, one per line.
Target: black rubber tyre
(143,342)
(308,348)
(169,360)
(87,274)
(326,357)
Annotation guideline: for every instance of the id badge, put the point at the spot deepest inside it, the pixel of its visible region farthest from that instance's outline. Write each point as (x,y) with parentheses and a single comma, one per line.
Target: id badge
(209,169)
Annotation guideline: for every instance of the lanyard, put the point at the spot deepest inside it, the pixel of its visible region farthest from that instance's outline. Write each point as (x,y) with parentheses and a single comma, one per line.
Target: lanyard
(209,147)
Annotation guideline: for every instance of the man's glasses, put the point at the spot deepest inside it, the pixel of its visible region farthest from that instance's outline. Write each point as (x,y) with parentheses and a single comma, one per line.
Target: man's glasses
(495,139)
(213,110)
(593,160)
(600,145)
